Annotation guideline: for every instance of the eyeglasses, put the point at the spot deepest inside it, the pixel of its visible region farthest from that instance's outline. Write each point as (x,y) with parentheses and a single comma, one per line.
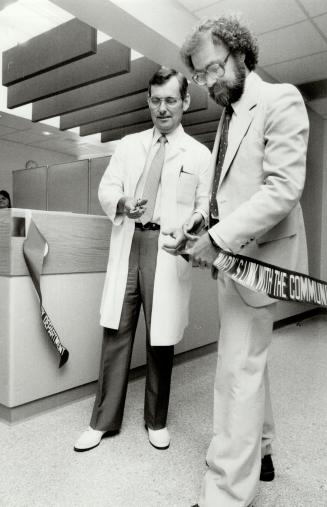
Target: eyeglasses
(170,102)
(213,71)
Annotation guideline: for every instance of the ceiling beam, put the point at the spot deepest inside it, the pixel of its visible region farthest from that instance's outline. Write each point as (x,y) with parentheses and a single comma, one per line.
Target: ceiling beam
(198,117)
(112,59)
(155,29)
(104,111)
(118,133)
(199,102)
(86,96)
(124,120)
(201,128)
(65,43)
(205,137)
(314,90)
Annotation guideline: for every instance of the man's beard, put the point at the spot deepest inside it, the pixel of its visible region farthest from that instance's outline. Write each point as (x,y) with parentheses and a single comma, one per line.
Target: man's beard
(228,92)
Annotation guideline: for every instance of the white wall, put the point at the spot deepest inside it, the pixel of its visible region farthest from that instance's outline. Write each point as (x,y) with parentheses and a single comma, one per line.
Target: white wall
(313,195)
(323,226)
(14,155)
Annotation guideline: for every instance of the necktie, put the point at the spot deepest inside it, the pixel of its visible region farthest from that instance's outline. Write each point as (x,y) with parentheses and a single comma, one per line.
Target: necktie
(220,161)
(152,181)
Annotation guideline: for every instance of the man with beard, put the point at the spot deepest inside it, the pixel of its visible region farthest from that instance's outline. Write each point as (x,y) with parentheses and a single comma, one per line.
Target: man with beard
(258,174)
(156,179)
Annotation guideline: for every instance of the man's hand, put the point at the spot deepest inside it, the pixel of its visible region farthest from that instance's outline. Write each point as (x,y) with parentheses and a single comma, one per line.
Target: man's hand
(175,241)
(131,207)
(203,251)
(193,225)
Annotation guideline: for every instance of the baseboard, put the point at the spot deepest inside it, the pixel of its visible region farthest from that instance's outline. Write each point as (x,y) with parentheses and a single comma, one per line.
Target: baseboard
(13,415)
(308,314)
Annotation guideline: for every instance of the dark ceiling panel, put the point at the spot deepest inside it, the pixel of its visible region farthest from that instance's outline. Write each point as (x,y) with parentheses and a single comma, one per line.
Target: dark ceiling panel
(115,134)
(212,114)
(111,59)
(314,90)
(123,120)
(97,93)
(206,137)
(64,43)
(199,101)
(201,128)
(209,144)
(106,110)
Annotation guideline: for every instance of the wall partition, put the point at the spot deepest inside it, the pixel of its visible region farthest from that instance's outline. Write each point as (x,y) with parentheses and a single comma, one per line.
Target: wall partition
(69,187)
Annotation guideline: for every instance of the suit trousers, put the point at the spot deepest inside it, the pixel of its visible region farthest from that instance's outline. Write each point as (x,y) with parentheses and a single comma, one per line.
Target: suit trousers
(243,425)
(117,347)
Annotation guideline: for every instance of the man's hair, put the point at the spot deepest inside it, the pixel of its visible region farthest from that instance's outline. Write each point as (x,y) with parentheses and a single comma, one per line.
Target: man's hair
(7,196)
(163,75)
(227,29)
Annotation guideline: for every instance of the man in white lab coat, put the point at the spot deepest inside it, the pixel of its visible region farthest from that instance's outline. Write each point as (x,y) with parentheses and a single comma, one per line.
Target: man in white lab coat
(139,271)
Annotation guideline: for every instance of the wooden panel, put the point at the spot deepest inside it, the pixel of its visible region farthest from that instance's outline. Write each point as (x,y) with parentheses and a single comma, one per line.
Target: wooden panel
(111,59)
(199,101)
(109,89)
(68,187)
(106,110)
(77,243)
(30,188)
(65,43)
(97,168)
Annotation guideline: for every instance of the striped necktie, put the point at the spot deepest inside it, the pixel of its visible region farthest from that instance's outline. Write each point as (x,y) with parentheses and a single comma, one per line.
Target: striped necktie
(152,181)
(220,161)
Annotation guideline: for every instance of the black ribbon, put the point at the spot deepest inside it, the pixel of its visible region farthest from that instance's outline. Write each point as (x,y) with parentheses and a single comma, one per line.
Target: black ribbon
(276,282)
(35,250)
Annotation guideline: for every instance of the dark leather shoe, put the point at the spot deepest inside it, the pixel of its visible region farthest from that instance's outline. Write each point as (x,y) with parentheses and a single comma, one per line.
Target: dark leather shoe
(267,472)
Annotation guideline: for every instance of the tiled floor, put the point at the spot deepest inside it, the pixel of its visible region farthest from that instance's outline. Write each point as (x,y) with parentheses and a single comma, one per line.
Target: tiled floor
(39,468)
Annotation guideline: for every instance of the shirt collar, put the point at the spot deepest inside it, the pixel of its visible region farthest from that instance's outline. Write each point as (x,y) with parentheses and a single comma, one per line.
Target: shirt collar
(172,138)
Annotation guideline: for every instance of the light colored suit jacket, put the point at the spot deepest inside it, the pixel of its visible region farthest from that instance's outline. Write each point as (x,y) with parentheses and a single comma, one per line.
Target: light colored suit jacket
(182,192)
(263,177)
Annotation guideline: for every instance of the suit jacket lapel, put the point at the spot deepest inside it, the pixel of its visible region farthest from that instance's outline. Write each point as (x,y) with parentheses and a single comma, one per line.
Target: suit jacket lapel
(244,110)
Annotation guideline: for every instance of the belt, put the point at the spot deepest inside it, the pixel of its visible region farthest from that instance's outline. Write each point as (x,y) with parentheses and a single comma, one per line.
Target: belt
(149,226)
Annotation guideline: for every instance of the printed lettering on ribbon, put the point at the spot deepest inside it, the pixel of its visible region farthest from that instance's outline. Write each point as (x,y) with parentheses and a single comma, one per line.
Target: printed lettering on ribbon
(276,282)
(35,250)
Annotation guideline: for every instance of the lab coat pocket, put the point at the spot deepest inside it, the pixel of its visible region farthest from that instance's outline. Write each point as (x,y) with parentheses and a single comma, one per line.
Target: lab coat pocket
(186,187)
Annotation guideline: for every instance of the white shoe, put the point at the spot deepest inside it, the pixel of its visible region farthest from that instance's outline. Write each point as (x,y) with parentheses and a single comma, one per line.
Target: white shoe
(160,439)
(88,440)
